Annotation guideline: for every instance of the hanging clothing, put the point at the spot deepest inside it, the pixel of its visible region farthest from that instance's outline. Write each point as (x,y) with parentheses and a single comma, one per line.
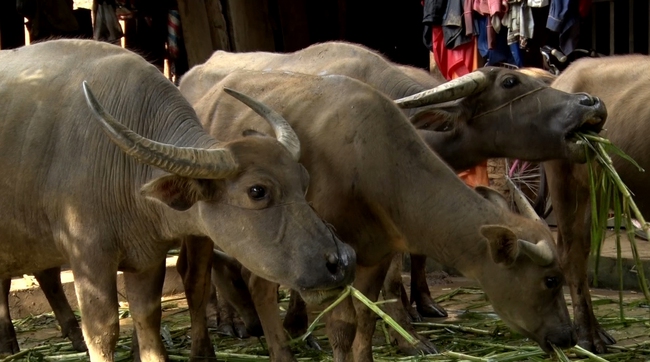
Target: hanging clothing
(453,25)
(500,52)
(520,23)
(584,8)
(491,7)
(468,16)
(538,3)
(433,13)
(564,18)
(494,10)
(477,175)
(459,60)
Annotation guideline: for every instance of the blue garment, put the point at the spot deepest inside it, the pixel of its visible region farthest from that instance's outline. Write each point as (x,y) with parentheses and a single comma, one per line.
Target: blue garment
(502,53)
(564,18)
(432,15)
(453,25)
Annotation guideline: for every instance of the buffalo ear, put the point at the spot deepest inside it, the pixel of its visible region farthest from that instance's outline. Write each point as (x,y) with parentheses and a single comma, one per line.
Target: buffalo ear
(177,192)
(503,244)
(493,196)
(437,119)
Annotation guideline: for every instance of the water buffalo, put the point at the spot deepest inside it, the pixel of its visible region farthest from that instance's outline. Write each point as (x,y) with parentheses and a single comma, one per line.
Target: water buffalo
(464,133)
(81,188)
(621,82)
(383,190)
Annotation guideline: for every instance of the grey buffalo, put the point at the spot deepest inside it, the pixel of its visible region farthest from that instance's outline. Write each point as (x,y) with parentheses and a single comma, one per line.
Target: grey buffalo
(114,188)
(383,190)
(498,113)
(622,83)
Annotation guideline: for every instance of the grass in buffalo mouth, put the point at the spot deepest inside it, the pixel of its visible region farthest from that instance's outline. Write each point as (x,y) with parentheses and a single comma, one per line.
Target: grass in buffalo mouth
(609,194)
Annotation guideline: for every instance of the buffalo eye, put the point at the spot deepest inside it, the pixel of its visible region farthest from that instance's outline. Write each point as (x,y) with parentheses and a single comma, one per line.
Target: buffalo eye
(257,192)
(552,282)
(510,82)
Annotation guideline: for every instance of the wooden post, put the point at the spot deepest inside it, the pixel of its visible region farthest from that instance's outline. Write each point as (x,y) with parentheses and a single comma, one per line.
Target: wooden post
(196,31)
(293,24)
(251,26)
(611,28)
(218,26)
(631,27)
(594,41)
(12,26)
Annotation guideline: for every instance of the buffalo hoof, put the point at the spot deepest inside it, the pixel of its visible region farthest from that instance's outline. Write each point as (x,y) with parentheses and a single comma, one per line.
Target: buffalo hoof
(430,309)
(236,329)
(76,337)
(9,347)
(312,343)
(606,337)
(8,341)
(413,314)
(596,342)
(423,347)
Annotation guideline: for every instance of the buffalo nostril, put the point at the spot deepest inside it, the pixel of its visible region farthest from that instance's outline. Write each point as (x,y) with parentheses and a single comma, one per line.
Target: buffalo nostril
(332,262)
(587,100)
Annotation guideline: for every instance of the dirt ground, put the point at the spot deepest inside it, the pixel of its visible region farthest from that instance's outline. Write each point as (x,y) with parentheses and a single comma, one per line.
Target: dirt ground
(472,328)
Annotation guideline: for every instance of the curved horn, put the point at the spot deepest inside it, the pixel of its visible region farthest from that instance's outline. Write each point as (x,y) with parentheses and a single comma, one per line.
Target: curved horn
(540,253)
(182,161)
(522,204)
(283,131)
(457,88)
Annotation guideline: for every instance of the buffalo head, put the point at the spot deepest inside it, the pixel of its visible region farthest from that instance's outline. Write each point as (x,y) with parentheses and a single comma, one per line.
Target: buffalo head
(497,112)
(248,196)
(523,280)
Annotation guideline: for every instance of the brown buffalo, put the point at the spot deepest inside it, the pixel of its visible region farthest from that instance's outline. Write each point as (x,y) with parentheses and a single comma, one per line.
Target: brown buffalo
(621,82)
(81,188)
(384,191)
(534,126)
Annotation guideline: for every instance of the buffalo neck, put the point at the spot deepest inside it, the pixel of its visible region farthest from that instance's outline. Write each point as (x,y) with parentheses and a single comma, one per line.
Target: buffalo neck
(429,207)
(162,116)
(458,149)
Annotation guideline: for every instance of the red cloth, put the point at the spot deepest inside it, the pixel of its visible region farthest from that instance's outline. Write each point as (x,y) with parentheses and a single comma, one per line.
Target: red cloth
(454,63)
(459,60)
(585,7)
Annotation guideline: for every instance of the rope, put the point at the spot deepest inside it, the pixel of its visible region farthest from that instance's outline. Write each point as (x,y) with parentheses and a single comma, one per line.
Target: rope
(508,103)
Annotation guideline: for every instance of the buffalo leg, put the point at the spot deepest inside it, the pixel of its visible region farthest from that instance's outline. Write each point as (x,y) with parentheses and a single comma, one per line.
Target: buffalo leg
(223,317)
(341,327)
(8,341)
(394,290)
(265,297)
(296,320)
(50,282)
(571,203)
(212,309)
(234,298)
(144,291)
(420,293)
(97,296)
(367,281)
(194,265)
